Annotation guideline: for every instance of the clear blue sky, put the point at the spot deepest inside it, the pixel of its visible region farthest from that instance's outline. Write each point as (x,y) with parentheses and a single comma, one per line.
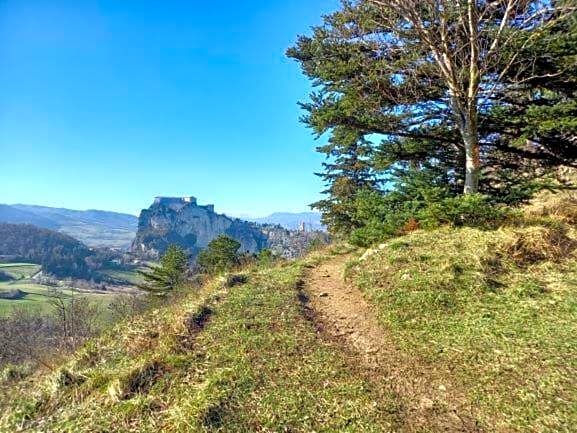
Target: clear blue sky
(105,104)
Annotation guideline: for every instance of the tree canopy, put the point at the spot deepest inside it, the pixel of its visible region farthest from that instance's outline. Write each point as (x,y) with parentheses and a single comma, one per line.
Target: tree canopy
(482,94)
(221,254)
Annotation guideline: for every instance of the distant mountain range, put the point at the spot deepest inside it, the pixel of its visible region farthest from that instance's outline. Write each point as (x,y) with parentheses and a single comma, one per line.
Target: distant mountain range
(292,221)
(95,228)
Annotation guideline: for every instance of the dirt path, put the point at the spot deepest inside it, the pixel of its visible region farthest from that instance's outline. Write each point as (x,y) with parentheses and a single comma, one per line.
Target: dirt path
(344,312)
(429,400)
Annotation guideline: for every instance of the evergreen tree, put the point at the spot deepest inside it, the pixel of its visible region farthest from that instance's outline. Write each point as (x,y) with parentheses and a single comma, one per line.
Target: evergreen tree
(347,172)
(170,274)
(378,67)
(382,70)
(220,255)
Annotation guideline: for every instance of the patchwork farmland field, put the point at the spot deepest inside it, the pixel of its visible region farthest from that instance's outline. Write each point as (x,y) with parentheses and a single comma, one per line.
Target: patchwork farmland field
(36,296)
(20,270)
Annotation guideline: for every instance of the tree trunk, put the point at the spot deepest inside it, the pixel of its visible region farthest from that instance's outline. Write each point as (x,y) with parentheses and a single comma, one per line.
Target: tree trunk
(472,156)
(466,118)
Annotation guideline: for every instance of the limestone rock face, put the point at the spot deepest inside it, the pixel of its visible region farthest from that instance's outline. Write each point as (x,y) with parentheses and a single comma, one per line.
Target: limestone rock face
(185,223)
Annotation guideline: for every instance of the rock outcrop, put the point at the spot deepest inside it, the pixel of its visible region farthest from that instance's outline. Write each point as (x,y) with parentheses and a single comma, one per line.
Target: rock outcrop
(183,222)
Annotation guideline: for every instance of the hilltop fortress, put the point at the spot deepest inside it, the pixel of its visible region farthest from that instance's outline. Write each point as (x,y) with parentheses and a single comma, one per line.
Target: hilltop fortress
(182,221)
(177,203)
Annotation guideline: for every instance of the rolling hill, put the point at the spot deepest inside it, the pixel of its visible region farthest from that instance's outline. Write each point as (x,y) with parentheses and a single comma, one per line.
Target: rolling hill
(454,329)
(95,228)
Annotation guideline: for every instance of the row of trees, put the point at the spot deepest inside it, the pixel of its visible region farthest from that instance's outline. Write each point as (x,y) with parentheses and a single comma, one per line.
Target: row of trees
(439,98)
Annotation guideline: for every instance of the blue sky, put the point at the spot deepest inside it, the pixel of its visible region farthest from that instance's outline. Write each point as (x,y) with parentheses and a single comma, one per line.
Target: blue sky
(106,104)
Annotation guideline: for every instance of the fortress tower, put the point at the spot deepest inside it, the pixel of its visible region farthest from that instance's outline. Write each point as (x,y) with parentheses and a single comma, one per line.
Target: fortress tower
(177,203)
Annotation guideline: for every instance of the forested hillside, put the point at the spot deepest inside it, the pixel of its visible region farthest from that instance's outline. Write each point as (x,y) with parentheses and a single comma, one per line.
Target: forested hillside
(59,254)
(95,228)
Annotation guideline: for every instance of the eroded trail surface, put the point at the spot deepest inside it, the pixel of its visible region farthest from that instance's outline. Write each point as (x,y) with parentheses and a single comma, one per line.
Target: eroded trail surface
(344,312)
(427,399)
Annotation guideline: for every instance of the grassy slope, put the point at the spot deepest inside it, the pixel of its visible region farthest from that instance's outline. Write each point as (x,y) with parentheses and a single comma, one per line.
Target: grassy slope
(130,277)
(254,363)
(494,311)
(504,331)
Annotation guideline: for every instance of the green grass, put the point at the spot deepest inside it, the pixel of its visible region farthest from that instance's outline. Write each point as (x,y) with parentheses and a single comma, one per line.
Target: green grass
(477,309)
(36,296)
(256,365)
(505,332)
(131,277)
(19,270)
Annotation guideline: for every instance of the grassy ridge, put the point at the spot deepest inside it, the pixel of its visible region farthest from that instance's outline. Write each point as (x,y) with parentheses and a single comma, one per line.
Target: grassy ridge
(490,313)
(238,359)
(497,319)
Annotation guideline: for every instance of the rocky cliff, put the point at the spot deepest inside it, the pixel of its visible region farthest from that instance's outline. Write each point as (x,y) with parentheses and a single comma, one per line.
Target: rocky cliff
(183,222)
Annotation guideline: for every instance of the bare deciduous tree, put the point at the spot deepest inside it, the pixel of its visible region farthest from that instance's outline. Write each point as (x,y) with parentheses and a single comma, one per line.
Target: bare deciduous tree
(75,318)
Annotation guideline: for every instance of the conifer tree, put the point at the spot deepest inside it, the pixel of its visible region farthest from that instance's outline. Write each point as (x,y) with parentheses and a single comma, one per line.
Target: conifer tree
(220,255)
(469,88)
(170,274)
(413,70)
(347,171)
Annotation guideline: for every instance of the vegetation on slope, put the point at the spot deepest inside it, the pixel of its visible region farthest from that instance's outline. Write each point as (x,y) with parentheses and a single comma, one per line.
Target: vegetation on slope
(243,358)
(58,254)
(489,314)
(493,311)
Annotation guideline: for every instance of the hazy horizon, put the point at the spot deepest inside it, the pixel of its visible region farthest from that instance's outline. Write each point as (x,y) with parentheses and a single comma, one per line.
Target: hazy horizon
(217,210)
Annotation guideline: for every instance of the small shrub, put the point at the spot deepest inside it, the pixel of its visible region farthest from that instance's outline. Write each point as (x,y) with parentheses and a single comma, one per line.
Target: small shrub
(383,216)
(15,372)
(371,234)
(473,210)
(410,226)
(265,257)
(236,280)
(64,378)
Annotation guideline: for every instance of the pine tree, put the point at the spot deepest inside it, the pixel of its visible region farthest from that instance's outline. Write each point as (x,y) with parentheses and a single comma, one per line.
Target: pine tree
(348,171)
(170,274)
(381,71)
(418,73)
